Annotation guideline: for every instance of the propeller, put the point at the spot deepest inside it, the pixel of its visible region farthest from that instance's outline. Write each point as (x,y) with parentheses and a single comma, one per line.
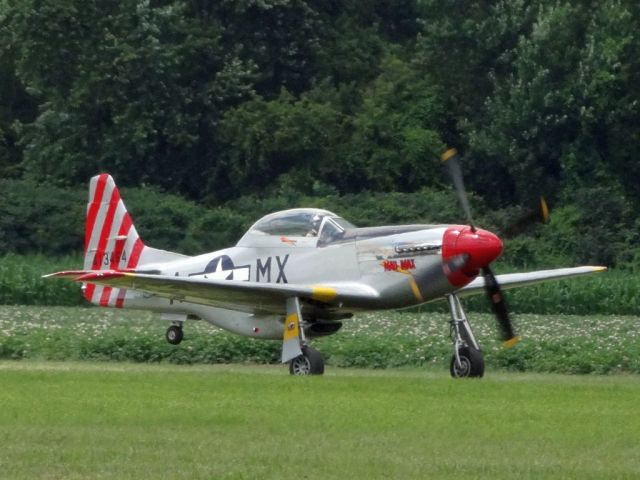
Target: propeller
(450,159)
(499,307)
(491,285)
(540,214)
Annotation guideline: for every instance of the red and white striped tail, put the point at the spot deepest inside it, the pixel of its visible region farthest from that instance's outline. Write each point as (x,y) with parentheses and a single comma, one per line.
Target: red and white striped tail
(111,240)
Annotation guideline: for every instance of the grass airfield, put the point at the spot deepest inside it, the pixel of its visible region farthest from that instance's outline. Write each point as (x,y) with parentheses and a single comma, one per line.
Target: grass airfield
(119,420)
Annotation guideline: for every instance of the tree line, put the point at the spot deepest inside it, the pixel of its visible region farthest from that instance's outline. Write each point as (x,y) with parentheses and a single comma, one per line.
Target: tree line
(238,107)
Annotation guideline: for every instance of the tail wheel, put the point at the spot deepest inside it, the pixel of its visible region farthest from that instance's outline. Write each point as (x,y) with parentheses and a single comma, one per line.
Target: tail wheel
(174,334)
(471,364)
(309,363)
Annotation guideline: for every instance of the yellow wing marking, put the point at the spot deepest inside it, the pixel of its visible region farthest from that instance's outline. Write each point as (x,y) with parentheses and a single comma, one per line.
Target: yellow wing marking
(323,294)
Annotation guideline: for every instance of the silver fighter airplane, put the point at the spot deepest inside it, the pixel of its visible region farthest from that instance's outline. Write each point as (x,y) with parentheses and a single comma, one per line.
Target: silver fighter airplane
(298,274)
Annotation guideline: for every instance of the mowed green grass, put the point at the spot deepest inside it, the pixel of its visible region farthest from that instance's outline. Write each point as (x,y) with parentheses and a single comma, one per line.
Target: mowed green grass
(100,420)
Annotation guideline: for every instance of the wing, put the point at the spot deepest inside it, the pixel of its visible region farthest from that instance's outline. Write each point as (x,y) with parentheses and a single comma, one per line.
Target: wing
(252,297)
(513,280)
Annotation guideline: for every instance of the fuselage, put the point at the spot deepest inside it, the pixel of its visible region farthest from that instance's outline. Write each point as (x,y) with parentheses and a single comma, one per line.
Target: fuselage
(404,265)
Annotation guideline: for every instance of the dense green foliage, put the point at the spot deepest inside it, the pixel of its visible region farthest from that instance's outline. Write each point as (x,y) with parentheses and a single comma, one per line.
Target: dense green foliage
(551,343)
(243,107)
(21,281)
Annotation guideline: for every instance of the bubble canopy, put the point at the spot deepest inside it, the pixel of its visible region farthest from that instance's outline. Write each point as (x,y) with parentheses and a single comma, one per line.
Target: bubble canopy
(307,223)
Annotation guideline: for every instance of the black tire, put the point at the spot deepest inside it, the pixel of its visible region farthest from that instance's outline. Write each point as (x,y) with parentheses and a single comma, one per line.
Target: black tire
(309,363)
(472,364)
(174,334)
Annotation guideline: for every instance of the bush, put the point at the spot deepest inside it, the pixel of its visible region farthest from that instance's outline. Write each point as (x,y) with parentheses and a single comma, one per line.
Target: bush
(21,281)
(40,218)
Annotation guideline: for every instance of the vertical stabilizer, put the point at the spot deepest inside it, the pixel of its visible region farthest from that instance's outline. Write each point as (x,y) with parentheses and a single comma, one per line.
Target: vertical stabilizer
(111,239)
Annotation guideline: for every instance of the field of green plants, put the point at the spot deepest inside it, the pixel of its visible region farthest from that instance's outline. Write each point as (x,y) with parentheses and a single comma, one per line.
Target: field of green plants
(551,343)
(21,281)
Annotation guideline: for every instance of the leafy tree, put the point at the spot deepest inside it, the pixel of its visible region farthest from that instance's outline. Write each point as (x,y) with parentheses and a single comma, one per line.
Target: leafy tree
(387,143)
(530,119)
(609,114)
(463,46)
(559,118)
(358,34)
(15,104)
(281,37)
(129,87)
(396,142)
(40,218)
(266,139)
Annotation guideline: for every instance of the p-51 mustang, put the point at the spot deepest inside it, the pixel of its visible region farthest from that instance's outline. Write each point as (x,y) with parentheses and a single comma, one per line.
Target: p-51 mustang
(298,274)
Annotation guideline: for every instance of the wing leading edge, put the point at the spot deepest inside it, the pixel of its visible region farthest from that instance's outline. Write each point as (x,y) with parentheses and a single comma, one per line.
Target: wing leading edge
(513,280)
(249,297)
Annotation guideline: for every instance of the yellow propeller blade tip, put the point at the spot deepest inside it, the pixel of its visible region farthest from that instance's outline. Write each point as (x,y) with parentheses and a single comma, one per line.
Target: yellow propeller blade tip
(448,154)
(544,208)
(511,342)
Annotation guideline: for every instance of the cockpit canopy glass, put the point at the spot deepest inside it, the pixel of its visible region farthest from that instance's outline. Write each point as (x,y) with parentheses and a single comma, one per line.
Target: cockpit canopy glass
(297,223)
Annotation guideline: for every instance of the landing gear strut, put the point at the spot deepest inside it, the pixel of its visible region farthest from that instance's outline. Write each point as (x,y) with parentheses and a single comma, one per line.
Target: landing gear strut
(174,334)
(467,359)
(302,359)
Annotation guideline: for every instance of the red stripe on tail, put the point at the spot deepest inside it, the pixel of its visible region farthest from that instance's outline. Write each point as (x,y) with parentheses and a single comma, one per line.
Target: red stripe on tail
(92,213)
(104,237)
(136,251)
(88,291)
(120,300)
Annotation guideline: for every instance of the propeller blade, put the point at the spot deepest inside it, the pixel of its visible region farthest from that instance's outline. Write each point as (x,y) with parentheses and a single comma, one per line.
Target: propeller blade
(537,215)
(544,210)
(494,294)
(450,158)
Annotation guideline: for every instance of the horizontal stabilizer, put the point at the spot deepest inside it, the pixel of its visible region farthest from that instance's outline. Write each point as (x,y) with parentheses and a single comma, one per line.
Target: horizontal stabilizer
(67,273)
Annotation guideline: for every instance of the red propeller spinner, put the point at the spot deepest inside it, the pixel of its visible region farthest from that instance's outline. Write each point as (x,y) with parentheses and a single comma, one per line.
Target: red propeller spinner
(481,246)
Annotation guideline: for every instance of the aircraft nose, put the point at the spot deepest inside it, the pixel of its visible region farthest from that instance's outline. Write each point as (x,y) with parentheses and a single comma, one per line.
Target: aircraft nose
(482,247)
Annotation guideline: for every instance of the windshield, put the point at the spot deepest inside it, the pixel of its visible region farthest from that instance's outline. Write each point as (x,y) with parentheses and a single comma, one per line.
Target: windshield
(344,224)
(330,231)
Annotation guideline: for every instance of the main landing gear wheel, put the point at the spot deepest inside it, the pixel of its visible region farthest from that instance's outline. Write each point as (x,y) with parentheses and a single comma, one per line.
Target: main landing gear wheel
(309,363)
(174,334)
(471,363)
